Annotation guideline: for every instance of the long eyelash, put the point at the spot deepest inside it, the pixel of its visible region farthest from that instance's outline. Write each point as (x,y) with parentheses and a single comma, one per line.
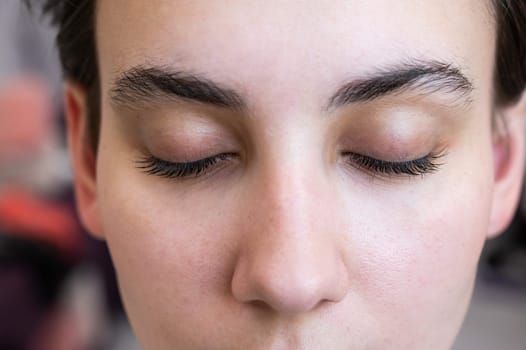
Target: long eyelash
(155,166)
(417,167)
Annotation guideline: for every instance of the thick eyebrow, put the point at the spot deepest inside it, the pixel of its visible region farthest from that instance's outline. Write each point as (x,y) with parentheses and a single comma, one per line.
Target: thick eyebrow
(425,77)
(142,85)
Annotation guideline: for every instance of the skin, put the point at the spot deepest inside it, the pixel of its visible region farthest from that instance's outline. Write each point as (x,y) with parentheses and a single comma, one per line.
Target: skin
(290,245)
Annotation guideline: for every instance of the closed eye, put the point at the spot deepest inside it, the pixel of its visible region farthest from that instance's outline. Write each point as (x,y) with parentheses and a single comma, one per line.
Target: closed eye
(417,167)
(155,166)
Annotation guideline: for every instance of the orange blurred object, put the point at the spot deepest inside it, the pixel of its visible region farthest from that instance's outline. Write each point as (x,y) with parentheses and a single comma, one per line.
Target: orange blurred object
(35,219)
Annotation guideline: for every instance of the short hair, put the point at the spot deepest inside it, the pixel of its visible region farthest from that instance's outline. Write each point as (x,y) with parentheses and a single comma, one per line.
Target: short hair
(78,52)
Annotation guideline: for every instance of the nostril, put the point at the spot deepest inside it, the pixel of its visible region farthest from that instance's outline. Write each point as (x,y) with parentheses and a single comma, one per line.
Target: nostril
(259,304)
(292,300)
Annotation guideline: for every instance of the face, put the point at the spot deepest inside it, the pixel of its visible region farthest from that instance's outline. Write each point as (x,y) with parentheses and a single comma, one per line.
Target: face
(294,175)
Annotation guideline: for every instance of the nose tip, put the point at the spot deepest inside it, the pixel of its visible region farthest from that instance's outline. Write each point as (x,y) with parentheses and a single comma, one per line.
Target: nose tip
(288,287)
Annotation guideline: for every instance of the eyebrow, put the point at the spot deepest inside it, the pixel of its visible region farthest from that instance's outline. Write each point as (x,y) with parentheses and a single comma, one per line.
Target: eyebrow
(425,77)
(143,85)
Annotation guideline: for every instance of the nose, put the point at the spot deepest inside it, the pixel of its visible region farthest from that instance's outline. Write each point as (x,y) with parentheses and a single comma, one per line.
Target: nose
(289,260)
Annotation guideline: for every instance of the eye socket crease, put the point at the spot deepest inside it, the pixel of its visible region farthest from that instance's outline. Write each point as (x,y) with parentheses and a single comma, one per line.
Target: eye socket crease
(146,85)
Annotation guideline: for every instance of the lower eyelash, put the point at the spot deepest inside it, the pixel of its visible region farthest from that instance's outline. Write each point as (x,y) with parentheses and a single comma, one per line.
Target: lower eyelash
(155,166)
(418,167)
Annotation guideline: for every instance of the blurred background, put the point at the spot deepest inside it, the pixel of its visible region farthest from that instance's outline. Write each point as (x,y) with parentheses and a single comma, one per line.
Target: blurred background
(57,285)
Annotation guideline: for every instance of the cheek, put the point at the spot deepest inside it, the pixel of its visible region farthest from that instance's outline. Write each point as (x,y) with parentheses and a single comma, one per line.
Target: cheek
(169,259)
(419,247)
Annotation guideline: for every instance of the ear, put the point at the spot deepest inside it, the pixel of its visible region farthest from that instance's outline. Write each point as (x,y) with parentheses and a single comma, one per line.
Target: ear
(83,158)
(509,155)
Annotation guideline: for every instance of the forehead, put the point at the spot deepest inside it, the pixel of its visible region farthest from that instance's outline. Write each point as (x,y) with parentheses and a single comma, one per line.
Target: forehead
(292,42)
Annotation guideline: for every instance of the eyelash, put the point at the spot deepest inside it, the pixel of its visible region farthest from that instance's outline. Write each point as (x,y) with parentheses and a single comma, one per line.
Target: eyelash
(418,167)
(155,166)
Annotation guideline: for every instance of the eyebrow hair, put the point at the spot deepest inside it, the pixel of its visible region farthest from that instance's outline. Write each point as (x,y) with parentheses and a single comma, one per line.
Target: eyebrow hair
(142,84)
(428,77)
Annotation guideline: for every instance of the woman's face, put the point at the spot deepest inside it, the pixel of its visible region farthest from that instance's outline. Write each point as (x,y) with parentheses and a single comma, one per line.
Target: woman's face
(350,175)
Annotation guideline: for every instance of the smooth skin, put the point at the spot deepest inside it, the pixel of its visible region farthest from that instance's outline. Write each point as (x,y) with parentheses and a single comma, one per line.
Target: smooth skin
(289,243)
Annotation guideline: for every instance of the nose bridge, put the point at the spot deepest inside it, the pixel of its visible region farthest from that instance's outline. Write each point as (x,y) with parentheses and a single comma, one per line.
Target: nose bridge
(288,194)
(289,260)
(289,200)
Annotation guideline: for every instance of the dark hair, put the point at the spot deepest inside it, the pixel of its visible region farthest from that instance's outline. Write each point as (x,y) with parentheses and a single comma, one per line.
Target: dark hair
(510,71)
(78,52)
